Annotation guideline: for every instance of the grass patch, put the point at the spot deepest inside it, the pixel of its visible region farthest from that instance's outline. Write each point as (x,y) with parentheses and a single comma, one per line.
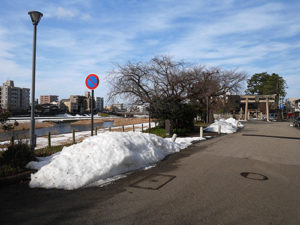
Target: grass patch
(181,132)
(160,131)
(103,114)
(157,131)
(42,152)
(201,124)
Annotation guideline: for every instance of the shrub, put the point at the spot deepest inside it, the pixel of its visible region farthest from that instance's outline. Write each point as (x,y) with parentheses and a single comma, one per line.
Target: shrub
(157,131)
(17,156)
(6,170)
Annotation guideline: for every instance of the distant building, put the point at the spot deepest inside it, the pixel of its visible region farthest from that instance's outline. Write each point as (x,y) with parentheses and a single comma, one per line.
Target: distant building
(47,99)
(61,105)
(72,107)
(142,108)
(87,94)
(297,105)
(118,107)
(99,104)
(293,104)
(78,104)
(14,99)
(47,109)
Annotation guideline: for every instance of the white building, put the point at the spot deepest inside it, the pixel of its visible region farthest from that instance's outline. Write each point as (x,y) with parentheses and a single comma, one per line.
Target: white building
(119,107)
(14,99)
(293,104)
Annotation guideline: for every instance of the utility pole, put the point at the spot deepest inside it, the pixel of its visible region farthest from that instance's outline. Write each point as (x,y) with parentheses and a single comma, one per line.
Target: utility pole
(207,113)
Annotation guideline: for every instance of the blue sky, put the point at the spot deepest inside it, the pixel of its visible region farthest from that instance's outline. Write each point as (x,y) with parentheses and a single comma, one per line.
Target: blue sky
(79,37)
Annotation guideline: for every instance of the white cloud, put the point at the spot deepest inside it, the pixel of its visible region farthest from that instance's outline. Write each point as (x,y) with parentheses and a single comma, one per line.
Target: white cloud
(59,12)
(65,13)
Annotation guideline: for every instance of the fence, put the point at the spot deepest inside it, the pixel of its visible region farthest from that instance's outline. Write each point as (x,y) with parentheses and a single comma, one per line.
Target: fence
(123,128)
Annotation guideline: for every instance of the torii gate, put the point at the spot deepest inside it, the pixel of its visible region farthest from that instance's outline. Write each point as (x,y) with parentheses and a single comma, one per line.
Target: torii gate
(257,98)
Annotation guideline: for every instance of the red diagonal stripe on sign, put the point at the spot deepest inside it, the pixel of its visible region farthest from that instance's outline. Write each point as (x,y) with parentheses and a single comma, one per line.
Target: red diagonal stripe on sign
(92,81)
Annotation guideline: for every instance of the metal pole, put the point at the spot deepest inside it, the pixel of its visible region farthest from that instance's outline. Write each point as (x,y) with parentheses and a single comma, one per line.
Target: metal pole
(207,109)
(92,115)
(32,125)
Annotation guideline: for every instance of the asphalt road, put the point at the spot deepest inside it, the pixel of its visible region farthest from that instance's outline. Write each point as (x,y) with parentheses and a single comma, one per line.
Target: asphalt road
(200,185)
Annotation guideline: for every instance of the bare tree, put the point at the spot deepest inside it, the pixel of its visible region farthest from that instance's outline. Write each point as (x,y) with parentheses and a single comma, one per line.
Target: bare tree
(142,83)
(168,86)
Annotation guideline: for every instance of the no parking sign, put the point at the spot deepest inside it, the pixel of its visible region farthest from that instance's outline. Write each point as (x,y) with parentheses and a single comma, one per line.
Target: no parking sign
(92,81)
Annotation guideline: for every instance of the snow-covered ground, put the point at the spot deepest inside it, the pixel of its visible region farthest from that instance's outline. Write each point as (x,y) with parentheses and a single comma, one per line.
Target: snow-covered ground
(57,118)
(61,139)
(108,156)
(228,126)
(105,156)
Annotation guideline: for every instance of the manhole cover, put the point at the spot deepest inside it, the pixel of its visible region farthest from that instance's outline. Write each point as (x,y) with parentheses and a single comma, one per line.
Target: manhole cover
(153,181)
(254,176)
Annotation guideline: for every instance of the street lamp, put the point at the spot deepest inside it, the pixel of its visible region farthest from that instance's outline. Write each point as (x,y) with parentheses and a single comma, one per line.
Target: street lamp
(35,18)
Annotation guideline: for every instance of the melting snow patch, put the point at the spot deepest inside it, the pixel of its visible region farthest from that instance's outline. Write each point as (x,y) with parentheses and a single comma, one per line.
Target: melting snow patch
(228,126)
(99,158)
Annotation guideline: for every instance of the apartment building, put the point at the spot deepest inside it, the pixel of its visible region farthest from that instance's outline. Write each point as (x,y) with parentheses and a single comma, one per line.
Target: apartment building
(118,107)
(78,104)
(99,104)
(14,99)
(48,99)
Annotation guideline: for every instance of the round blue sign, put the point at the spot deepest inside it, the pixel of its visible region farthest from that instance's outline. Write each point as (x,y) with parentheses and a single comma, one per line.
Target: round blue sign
(92,81)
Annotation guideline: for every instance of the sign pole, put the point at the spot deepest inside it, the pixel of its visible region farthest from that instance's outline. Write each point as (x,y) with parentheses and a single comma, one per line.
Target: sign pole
(92,113)
(92,82)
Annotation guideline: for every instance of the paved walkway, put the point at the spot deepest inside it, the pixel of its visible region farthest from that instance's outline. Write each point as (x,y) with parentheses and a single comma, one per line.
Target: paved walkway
(200,185)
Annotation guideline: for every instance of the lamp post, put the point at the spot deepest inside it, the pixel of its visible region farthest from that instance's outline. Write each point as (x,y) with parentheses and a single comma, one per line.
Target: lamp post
(35,18)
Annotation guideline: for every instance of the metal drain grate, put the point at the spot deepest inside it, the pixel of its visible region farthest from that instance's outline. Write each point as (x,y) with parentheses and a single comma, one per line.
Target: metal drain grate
(254,176)
(153,181)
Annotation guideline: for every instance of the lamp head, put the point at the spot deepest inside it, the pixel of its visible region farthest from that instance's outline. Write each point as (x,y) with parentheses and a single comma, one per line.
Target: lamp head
(35,17)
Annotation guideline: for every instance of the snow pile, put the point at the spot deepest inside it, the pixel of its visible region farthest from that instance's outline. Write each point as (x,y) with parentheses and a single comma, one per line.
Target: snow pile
(228,126)
(100,157)
(66,115)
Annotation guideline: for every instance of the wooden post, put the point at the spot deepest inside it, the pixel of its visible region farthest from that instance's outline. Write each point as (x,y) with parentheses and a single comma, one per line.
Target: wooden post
(95,130)
(49,139)
(142,127)
(73,134)
(109,129)
(133,128)
(174,137)
(267,109)
(219,129)
(246,109)
(149,124)
(12,140)
(123,128)
(201,132)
